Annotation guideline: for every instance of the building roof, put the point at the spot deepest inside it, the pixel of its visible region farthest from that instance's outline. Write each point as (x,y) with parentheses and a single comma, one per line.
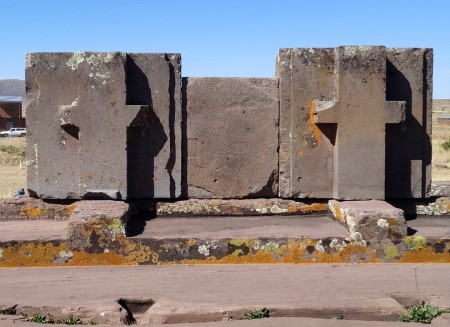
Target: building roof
(4,114)
(10,98)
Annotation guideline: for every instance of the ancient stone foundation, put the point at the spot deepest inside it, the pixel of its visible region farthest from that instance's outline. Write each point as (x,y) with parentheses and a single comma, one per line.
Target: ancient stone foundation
(348,123)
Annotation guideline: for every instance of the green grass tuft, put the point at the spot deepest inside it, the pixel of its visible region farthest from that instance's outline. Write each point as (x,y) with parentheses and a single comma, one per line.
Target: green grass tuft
(257,314)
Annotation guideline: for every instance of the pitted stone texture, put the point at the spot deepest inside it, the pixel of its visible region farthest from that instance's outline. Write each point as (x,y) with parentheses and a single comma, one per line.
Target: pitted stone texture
(438,208)
(232,130)
(371,222)
(333,117)
(253,207)
(34,209)
(96,225)
(305,155)
(104,125)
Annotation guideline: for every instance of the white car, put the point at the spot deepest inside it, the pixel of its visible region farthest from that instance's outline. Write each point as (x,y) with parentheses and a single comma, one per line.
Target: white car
(18,131)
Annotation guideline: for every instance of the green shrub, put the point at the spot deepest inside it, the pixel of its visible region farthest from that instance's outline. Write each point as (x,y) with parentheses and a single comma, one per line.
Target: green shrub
(257,314)
(446,145)
(423,313)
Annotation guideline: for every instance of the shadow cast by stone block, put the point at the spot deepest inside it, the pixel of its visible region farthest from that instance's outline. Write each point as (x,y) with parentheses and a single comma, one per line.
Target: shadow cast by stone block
(407,142)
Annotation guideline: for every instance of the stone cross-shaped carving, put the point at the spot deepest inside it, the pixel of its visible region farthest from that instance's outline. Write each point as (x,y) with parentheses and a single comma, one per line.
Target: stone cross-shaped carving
(104,125)
(361,113)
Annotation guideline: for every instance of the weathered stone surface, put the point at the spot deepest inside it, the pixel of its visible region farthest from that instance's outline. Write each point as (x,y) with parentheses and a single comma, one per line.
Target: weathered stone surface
(232,131)
(253,207)
(333,117)
(440,189)
(104,124)
(408,146)
(438,208)
(370,222)
(24,208)
(97,226)
(305,155)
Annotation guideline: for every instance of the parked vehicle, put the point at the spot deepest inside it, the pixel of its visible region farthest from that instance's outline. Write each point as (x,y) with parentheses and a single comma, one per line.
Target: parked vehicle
(16,131)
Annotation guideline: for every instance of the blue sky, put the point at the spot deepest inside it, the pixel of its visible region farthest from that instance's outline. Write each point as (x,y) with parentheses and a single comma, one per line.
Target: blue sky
(223,37)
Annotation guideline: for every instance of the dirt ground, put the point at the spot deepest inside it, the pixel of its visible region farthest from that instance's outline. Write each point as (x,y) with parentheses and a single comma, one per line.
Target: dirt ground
(12,177)
(440,134)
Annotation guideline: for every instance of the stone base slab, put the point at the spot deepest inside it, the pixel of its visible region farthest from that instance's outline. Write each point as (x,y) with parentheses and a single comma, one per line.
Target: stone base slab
(97,233)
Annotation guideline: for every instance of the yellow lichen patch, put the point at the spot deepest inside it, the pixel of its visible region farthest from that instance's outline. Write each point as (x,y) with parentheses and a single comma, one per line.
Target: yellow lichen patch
(391,252)
(292,208)
(315,207)
(292,252)
(192,241)
(238,242)
(338,214)
(70,209)
(31,254)
(447,207)
(425,255)
(32,212)
(415,242)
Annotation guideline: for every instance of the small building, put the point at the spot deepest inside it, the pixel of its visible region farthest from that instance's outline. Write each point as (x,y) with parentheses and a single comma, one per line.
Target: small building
(11,112)
(444,119)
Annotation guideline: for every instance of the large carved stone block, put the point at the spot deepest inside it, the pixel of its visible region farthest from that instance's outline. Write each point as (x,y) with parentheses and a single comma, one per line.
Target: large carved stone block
(232,130)
(104,125)
(334,112)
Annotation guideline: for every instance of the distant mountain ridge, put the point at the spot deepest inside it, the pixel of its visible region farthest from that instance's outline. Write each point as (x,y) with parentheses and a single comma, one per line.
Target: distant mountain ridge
(14,87)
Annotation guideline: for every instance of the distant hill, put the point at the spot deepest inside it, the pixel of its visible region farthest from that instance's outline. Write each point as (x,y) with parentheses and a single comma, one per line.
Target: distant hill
(14,87)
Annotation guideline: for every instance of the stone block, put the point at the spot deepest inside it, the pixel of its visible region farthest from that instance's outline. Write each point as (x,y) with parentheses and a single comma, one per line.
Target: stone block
(103,125)
(238,207)
(305,155)
(370,222)
(408,145)
(232,136)
(334,111)
(98,226)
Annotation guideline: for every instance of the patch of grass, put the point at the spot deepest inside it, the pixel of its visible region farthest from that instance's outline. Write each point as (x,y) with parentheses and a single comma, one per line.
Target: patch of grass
(12,152)
(9,310)
(43,319)
(257,314)
(70,321)
(423,313)
(11,179)
(39,318)
(446,145)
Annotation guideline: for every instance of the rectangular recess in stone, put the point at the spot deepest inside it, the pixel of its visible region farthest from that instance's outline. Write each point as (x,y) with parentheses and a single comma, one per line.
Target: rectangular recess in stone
(306,152)
(81,125)
(233,123)
(408,146)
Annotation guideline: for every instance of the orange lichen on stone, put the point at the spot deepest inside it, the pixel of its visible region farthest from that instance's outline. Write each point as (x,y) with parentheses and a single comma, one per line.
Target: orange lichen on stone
(292,208)
(312,125)
(99,259)
(31,212)
(338,214)
(31,254)
(315,207)
(70,209)
(425,255)
(293,252)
